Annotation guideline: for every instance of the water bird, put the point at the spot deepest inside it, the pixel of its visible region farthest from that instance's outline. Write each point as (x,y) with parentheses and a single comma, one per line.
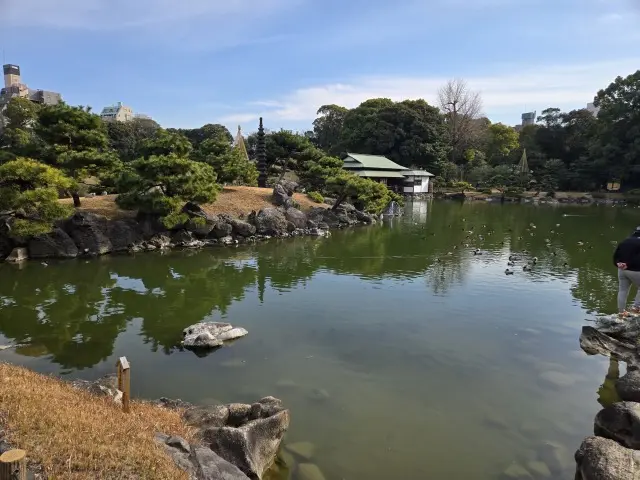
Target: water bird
(557,225)
(535,260)
(565,265)
(581,243)
(45,264)
(513,258)
(526,268)
(477,251)
(449,253)
(508,272)
(511,264)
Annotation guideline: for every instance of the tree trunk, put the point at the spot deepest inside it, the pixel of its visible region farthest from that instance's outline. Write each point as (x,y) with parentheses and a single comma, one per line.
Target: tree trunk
(76,199)
(339,200)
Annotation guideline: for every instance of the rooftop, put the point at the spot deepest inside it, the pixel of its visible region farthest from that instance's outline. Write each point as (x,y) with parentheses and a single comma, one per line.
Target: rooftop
(372,162)
(417,173)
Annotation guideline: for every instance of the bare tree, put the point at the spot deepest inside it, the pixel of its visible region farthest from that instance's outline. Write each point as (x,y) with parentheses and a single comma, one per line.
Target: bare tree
(463,108)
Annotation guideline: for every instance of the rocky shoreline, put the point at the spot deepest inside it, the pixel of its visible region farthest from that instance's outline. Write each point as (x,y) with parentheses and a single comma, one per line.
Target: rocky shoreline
(86,234)
(558,199)
(613,452)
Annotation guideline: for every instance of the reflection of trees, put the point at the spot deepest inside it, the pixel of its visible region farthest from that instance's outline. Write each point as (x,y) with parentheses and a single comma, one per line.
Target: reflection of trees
(67,310)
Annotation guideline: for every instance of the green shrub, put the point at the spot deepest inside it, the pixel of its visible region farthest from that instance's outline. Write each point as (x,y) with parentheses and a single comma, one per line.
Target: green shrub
(513,192)
(486,191)
(316,197)
(461,186)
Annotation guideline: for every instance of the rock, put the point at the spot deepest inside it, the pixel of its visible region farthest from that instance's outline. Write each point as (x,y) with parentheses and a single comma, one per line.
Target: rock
(106,386)
(178,443)
(594,342)
(185,239)
(210,466)
(558,379)
(56,244)
(287,459)
(311,224)
(194,210)
(199,226)
(516,471)
(210,334)
(172,403)
(556,457)
(603,459)
(207,417)
(303,450)
(318,395)
(280,196)
(221,228)
(149,225)
(17,255)
(628,386)
(253,444)
(123,234)
(309,471)
(289,186)
(296,217)
(160,241)
(228,240)
(270,221)
(364,217)
(620,422)
(88,231)
(324,216)
(539,469)
(242,228)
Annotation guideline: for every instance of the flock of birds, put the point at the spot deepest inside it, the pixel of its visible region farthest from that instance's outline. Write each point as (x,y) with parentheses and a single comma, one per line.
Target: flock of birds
(515,259)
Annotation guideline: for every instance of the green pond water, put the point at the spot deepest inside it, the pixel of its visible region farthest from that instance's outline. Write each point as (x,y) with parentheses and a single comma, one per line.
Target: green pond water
(399,355)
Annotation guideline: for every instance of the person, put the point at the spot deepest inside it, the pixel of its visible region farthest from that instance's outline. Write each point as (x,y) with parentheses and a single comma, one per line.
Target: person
(627,259)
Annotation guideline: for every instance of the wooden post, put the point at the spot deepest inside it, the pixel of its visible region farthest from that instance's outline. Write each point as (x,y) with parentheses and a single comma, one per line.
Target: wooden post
(124,382)
(13,465)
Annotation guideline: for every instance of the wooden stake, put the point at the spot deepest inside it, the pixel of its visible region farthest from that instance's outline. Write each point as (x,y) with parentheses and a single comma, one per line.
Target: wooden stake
(124,383)
(13,465)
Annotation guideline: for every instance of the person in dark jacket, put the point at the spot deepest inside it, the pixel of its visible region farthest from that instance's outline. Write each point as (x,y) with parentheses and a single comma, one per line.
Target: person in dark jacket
(627,259)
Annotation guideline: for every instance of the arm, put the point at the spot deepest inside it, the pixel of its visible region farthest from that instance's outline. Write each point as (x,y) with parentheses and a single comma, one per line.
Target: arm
(616,256)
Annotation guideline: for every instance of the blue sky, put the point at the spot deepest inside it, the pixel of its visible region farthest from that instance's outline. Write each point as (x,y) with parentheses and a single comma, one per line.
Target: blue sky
(207,61)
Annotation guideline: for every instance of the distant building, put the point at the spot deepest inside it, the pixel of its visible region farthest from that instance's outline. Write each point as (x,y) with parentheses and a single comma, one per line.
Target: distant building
(117,113)
(592,109)
(528,118)
(381,169)
(14,88)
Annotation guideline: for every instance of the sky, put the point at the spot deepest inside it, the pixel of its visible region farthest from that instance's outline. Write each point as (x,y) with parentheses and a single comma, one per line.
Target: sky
(191,62)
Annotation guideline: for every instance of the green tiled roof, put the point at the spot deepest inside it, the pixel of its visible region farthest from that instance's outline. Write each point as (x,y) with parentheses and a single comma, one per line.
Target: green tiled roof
(418,173)
(378,174)
(376,162)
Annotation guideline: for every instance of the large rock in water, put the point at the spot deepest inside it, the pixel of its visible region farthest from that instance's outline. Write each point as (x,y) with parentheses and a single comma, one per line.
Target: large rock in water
(247,436)
(620,422)
(210,334)
(88,231)
(296,217)
(56,244)
(123,234)
(603,459)
(270,221)
(628,386)
(242,228)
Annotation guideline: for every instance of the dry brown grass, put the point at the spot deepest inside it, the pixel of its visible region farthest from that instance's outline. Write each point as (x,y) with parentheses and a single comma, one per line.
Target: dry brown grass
(75,435)
(235,201)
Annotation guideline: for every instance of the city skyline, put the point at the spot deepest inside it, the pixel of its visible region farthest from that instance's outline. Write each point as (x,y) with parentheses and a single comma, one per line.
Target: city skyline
(283,59)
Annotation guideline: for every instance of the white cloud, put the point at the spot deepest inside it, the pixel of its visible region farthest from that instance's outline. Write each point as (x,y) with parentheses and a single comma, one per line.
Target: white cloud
(505,95)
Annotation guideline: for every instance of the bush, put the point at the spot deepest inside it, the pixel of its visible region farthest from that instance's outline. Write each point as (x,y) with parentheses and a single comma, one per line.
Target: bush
(461,186)
(486,191)
(316,197)
(513,192)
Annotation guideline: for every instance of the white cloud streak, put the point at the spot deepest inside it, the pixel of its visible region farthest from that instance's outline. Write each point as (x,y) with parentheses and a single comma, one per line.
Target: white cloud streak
(507,94)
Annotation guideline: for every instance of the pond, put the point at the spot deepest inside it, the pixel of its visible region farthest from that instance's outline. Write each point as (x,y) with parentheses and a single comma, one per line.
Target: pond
(399,352)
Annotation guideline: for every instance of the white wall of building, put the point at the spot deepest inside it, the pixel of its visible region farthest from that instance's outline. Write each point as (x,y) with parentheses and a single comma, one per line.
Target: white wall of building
(420,185)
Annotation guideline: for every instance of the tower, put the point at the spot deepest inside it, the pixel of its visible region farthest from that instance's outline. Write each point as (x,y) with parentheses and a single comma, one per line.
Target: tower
(523,165)
(261,154)
(239,144)
(11,75)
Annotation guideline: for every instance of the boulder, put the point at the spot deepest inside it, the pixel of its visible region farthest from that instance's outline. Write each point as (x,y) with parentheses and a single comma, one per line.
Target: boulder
(242,228)
(160,240)
(296,217)
(324,216)
(603,459)
(17,255)
(210,334)
(280,196)
(309,471)
(250,440)
(88,231)
(185,239)
(56,244)
(364,217)
(221,228)
(289,186)
(123,234)
(595,342)
(620,422)
(106,386)
(199,226)
(149,225)
(270,221)
(628,386)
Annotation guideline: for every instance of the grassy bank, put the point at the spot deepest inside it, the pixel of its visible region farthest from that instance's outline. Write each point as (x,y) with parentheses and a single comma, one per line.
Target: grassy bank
(75,435)
(235,201)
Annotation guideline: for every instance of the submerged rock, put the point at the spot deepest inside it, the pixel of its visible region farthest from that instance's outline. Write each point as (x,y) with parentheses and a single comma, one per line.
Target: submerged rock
(515,471)
(603,459)
(210,334)
(303,450)
(309,471)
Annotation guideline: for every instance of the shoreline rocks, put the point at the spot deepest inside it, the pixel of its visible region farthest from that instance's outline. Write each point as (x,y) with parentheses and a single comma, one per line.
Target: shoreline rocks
(86,234)
(208,335)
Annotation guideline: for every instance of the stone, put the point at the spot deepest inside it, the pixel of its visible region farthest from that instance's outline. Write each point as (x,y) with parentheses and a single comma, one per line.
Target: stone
(628,386)
(123,234)
(289,186)
(160,241)
(303,450)
(106,386)
(595,342)
(620,422)
(185,239)
(287,458)
(559,379)
(280,196)
(205,417)
(296,217)
(228,240)
(56,244)
(603,459)
(310,471)
(178,443)
(515,471)
(199,226)
(89,233)
(210,466)
(539,469)
(270,221)
(221,228)
(252,447)
(149,224)
(210,334)
(242,228)
(364,217)
(556,457)
(17,255)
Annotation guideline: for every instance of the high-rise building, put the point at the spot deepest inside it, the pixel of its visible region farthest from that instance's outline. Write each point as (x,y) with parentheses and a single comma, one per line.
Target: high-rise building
(528,118)
(117,113)
(11,75)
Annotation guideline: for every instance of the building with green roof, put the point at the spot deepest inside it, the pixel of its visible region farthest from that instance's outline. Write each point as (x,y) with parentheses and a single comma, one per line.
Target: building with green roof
(379,168)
